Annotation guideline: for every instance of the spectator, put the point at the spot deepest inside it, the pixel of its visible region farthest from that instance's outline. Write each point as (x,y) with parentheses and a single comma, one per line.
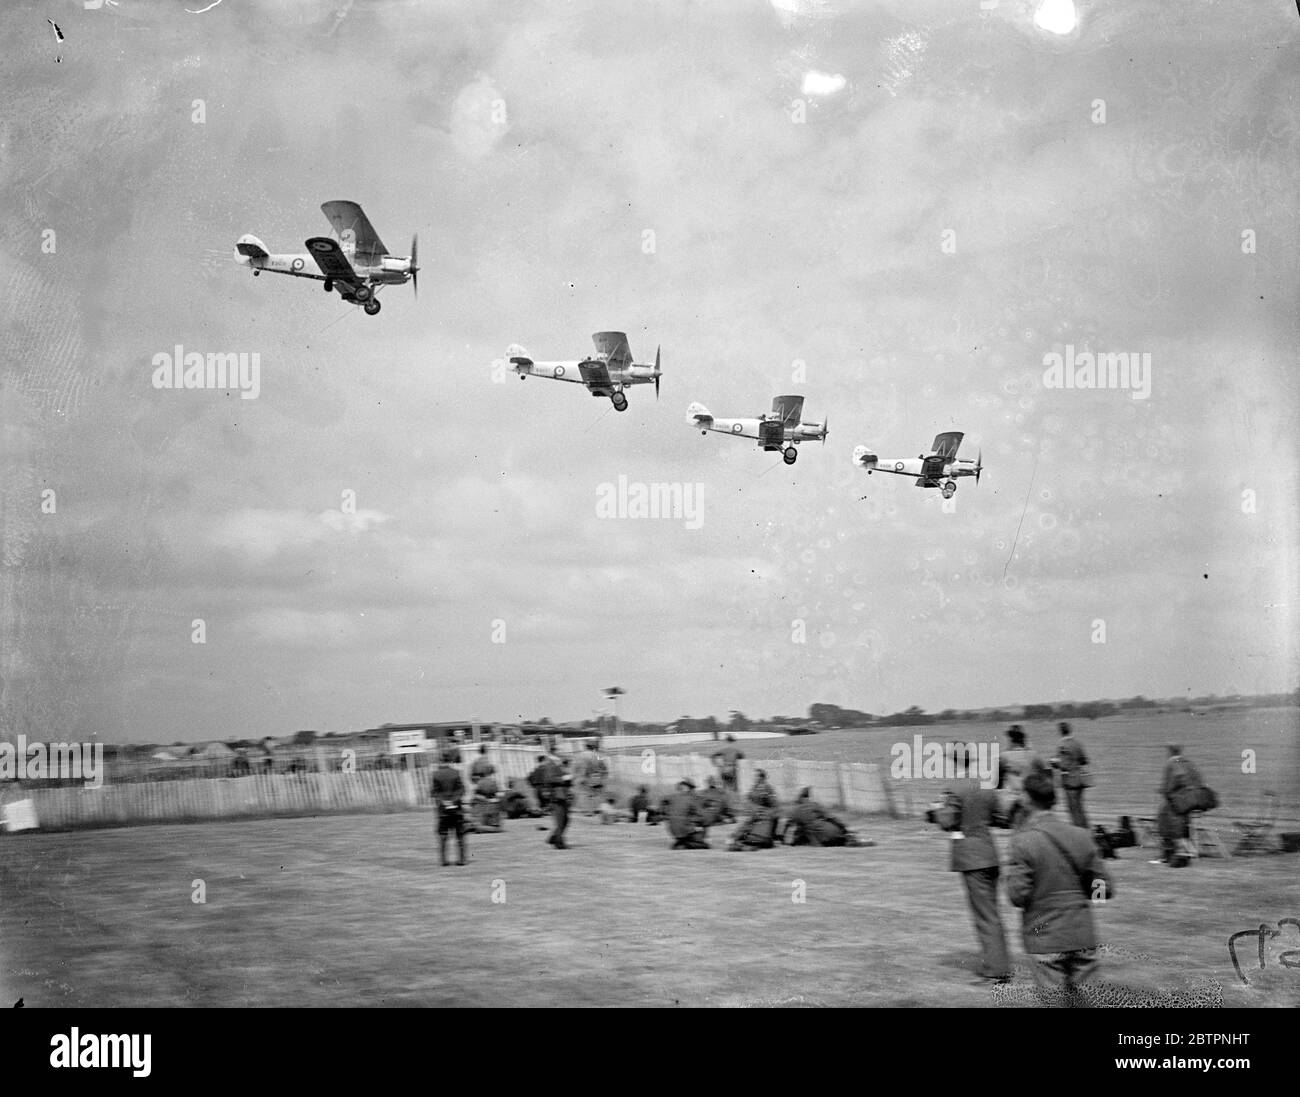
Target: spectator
(1180,792)
(727,759)
(1073,763)
(975,856)
(685,820)
(1054,875)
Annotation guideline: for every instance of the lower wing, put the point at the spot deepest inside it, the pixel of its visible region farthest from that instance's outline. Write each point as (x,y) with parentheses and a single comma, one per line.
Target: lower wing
(331,260)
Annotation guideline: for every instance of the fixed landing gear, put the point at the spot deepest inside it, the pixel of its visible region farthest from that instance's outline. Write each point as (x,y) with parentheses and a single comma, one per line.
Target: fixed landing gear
(371,307)
(363,293)
(256,272)
(949,489)
(329,285)
(790,455)
(619,401)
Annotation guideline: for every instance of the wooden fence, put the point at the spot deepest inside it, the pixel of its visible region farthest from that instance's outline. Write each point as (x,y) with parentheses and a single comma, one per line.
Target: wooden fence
(852,786)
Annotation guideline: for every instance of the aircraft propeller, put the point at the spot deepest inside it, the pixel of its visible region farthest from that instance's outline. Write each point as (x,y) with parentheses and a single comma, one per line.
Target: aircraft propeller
(979,463)
(826,428)
(413,265)
(657,373)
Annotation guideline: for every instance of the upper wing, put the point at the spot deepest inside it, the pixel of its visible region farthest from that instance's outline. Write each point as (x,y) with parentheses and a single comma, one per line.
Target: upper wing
(947,444)
(789,409)
(613,344)
(348,217)
(331,260)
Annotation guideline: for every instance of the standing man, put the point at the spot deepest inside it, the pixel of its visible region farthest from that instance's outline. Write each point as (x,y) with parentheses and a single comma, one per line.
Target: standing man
(976,857)
(539,780)
(1054,875)
(1014,765)
(592,774)
(1179,792)
(481,767)
(560,796)
(1073,764)
(448,790)
(727,759)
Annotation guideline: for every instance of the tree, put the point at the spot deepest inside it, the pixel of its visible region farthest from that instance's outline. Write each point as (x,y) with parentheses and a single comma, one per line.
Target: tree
(304,738)
(739,721)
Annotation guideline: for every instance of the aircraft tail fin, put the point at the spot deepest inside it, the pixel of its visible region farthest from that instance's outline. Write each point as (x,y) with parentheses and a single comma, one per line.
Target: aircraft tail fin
(250,247)
(864,457)
(518,356)
(698,415)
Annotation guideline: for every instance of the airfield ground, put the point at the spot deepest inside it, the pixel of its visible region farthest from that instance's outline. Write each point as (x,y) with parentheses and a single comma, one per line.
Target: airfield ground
(353,910)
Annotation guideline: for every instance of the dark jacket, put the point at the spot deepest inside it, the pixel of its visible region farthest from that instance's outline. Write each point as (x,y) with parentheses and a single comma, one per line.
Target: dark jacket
(1050,889)
(713,805)
(1179,775)
(975,849)
(1070,759)
(763,795)
(447,786)
(815,825)
(684,815)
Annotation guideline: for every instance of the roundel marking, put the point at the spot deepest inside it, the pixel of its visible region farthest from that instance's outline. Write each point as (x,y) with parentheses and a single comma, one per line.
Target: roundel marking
(736,428)
(323,245)
(898,466)
(297,264)
(559,371)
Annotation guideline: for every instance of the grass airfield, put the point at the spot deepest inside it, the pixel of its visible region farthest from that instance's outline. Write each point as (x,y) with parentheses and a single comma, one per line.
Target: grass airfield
(354,911)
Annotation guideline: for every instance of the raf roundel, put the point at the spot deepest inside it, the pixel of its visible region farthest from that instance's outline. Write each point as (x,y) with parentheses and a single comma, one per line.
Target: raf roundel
(297,264)
(898,466)
(323,245)
(559,371)
(736,428)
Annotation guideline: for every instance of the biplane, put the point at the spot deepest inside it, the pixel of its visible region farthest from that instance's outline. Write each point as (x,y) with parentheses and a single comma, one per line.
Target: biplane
(940,468)
(606,373)
(357,263)
(782,430)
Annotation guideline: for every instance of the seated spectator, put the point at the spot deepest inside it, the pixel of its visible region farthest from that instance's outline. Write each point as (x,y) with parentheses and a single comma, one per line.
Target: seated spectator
(640,803)
(714,804)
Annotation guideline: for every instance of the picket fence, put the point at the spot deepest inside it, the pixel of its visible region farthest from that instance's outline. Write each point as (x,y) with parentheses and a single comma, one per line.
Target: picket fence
(851,786)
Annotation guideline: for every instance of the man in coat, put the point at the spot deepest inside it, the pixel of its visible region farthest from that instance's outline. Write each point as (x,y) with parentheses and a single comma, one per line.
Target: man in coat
(1178,785)
(759,830)
(540,780)
(685,819)
(1072,762)
(727,759)
(714,806)
(447,791)
(559,797)
(1054,875)
(813,825)
(974,855)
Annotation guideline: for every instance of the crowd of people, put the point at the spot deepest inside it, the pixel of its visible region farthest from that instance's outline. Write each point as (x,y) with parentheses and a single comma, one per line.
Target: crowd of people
(557,785)
(1054,872)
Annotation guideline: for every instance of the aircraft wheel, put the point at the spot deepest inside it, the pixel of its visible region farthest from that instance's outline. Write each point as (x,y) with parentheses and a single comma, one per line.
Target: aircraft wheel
(791,455)
(363,293)
(620,404)
(371,307)
(329,285)
(256,273)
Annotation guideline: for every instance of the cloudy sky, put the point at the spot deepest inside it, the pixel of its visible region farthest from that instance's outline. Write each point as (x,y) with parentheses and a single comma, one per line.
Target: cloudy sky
(897,209)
